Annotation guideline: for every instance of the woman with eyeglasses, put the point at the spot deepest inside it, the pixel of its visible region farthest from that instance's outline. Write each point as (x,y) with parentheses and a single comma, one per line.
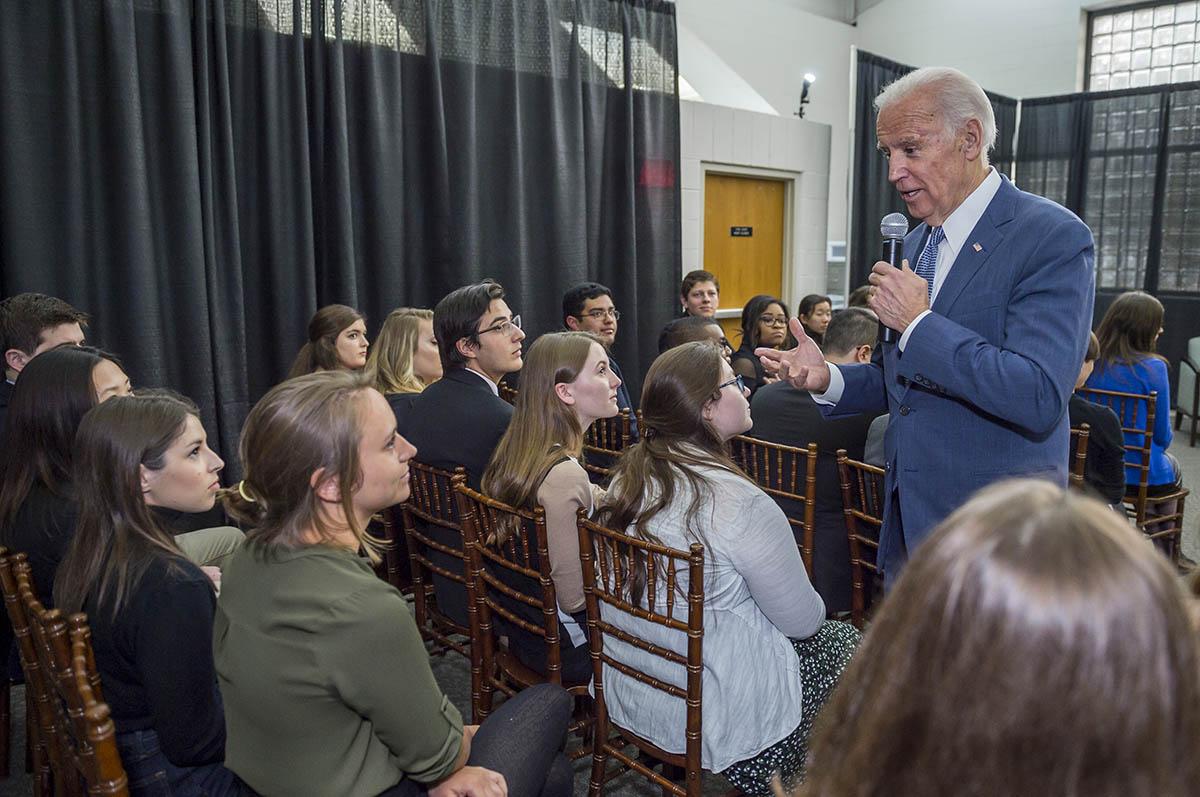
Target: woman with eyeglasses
(764,323)
(770,657)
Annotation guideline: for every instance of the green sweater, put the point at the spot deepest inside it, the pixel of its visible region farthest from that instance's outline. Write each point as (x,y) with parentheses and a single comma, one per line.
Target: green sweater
(326,682)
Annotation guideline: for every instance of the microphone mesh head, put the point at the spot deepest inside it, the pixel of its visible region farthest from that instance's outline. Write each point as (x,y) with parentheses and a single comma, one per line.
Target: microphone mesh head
(894,225)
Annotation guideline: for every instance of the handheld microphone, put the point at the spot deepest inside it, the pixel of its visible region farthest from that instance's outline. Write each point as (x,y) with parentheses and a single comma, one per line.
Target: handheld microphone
(893,228)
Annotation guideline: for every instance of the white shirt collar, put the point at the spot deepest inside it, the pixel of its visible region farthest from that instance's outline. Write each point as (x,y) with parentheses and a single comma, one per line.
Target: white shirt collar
(959,224)
(495,388)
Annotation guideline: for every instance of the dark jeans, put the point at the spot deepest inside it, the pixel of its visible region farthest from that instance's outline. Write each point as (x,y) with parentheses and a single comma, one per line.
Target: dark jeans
(523,741)
(152,775)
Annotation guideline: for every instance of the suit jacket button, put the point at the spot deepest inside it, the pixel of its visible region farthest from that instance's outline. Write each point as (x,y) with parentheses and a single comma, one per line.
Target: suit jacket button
(904,409)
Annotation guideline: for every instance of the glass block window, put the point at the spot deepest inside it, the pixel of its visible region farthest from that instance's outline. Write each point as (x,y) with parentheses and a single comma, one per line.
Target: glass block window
(1143,46)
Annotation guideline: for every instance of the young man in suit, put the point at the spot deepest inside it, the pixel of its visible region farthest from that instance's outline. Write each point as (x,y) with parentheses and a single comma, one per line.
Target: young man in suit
(992,323)
(31,323)
(459,419)
(783,414)
(588,307)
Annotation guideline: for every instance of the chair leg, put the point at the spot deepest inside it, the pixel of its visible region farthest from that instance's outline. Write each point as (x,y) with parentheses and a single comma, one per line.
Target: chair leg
(30,731)
(1192,442)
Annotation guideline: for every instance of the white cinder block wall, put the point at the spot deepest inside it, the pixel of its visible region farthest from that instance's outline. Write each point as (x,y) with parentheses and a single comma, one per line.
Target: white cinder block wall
(732,140)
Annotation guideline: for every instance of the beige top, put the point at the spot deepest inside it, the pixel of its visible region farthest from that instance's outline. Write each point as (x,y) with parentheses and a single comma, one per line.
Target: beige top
(565,490)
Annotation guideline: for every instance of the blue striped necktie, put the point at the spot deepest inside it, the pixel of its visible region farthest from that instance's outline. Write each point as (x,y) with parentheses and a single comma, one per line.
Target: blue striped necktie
(927,263)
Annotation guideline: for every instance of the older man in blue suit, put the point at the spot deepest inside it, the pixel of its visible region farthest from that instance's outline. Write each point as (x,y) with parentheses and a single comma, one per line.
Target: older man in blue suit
(993,321)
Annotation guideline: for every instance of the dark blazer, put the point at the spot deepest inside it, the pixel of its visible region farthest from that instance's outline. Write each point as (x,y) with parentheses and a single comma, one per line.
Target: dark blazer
(457,420)
(401,404)
(783,414)
(6,389)
(980,392)
(1104,468)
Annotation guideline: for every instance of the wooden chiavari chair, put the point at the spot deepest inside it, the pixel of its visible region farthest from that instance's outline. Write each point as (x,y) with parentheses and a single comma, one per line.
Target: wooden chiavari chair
(862,502)
(789,475)
(609,558)
(1136,412)
(1078,452)
(437,559)
(603,442)
(36,754)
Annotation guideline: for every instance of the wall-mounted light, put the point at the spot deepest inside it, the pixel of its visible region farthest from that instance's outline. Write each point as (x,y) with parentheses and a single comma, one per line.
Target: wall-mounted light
(809,79)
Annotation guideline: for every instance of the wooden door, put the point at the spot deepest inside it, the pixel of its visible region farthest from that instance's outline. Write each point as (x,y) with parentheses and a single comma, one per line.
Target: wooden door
(743,241)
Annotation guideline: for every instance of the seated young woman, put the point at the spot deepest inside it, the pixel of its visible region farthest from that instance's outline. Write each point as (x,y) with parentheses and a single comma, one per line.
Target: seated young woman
(326,681)
(770,658)
(816,311)
(405,359)
(150,609)
(566,385)
(337,340)
(1035,645)
(764,323)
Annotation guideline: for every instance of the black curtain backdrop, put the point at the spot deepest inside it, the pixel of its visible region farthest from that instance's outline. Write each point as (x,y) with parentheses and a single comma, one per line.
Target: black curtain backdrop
(873,196)
(202,175)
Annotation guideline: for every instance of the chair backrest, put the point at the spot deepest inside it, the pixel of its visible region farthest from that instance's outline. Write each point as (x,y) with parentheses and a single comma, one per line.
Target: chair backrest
(395,568)
(436,555)
(604,441)
(1078,450)
(508,561)
(1136,412)
(79,732)
(37,690)
(862,503)
(612,561)
(507,392)
(787,474)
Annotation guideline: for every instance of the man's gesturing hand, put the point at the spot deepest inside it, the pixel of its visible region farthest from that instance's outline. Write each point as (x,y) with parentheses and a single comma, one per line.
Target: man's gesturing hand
(804,366)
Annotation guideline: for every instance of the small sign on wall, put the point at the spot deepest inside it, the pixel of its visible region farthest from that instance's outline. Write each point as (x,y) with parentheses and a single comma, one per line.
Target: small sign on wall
(741,232)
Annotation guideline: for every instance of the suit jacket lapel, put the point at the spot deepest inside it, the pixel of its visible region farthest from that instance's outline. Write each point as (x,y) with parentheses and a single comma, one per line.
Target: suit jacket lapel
(988,234)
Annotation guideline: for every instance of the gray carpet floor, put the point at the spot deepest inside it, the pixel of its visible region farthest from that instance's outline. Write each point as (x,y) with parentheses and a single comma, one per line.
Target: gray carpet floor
(454,675)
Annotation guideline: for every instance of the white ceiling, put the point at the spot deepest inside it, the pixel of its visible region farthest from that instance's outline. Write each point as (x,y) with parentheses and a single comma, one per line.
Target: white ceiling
(840,10)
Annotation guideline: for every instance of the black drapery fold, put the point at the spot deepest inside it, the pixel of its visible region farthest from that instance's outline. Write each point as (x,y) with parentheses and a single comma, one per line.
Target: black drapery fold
(873,196)
(201,175)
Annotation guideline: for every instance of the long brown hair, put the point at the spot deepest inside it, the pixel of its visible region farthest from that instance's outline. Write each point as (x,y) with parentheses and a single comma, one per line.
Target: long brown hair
(391,358)
(542,428)
(303,425)
(320,352)
(1035,645)
(677,442)
(1128,331)
(117,536)
(53,394)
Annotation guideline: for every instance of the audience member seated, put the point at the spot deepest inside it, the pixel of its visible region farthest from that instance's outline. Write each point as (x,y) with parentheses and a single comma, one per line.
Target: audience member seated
(815,313)
(783,414)
(764,323)
(770,658)
(1128,334)
(405,358)
(588,307)
(566,385)
(337,340)
(859,296)
(327,685)
(31,323)
(700,294)
(1034,646)
(459,419)
(38,509)
(694,328)
(1104,466)
(149,608)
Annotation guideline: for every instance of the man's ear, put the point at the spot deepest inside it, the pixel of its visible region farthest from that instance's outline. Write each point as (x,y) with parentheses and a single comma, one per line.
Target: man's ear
(467,348)
(16,359)
(863,354)
(326,487)
(572,323)
(972,139)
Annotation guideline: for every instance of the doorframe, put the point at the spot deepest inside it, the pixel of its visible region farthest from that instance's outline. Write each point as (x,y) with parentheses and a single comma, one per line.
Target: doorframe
(791,221)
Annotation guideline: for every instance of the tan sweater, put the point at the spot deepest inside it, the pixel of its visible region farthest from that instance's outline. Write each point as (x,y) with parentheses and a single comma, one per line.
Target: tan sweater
(564,491)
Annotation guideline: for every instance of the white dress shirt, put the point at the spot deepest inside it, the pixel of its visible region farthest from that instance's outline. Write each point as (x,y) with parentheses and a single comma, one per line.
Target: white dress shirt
(957,228)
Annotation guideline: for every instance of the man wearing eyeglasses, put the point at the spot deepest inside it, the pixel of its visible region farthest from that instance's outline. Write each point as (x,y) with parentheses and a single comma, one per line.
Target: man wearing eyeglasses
(588,307)
(459,419)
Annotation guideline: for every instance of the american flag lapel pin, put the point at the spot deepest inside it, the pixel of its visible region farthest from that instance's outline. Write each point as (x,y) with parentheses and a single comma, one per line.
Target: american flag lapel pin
(977,247)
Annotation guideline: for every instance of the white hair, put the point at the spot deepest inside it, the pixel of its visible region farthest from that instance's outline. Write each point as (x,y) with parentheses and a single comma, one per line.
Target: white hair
(958,97)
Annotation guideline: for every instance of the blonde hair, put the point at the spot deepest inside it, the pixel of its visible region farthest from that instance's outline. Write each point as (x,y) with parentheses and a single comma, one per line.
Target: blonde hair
(542,429)
(391,358)
(303,425)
